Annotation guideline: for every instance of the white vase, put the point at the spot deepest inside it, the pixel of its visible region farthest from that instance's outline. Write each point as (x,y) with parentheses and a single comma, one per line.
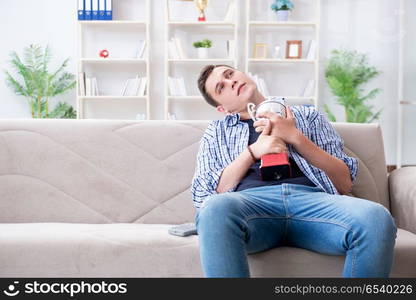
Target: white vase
(202,52)
(282,15)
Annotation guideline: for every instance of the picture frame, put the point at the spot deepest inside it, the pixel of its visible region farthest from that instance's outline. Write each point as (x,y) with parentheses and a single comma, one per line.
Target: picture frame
(260,50)
(294,49)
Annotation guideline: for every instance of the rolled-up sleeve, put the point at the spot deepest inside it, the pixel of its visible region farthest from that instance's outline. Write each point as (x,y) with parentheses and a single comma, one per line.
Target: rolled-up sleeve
(324,136)
(208,169)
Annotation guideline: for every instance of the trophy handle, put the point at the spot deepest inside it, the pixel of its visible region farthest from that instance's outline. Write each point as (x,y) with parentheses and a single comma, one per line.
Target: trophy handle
(251,110)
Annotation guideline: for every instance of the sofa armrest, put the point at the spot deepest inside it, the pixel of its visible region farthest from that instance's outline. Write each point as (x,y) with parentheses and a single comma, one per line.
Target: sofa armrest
(402,186)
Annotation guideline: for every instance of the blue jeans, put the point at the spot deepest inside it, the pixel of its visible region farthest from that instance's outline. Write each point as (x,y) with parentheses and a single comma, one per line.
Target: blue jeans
(232,225)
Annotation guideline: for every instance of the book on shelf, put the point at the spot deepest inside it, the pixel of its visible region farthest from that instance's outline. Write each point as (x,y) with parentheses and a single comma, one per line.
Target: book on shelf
(311,54)
(81,10)
(309,88)
(175,49)
(140,116)
(90,84)
(229,16)
(140,48)
(230,48)
(94,8)
(260,83)
(179,47)
(94,87)
(173,52)
(172,116)
(176,86)
(81,83)
(135,86)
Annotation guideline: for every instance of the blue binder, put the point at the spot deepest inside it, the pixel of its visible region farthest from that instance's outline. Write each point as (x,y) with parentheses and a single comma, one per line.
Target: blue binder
(81,10)
(101,10)
(94,10)
(108,9)
(88,12)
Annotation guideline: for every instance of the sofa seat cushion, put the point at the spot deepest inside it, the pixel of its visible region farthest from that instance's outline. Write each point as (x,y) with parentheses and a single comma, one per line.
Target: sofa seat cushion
(148,250)
(95,250)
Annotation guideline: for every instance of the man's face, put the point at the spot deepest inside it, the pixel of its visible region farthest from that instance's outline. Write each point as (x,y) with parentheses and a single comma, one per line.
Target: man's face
(231,88)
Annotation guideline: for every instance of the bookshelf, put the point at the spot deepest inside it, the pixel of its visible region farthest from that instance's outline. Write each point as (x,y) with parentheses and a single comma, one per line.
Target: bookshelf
(262,27)
(220,26)
(121,37)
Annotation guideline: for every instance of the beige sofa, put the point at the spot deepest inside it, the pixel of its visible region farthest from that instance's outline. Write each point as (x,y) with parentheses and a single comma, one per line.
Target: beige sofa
(95,198)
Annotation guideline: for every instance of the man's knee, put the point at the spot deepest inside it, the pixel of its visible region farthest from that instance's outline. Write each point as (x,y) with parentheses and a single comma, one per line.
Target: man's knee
(219,207)
(378,222)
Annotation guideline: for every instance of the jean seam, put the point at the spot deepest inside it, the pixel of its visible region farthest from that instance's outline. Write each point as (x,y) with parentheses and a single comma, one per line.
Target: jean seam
(322,221)
(264,217)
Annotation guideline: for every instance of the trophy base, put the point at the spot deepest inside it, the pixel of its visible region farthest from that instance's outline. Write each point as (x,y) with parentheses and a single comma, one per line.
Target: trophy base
(275,172)
(275,166)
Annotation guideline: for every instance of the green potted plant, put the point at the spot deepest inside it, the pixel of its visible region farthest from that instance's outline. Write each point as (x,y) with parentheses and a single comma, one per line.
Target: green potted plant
(36,83)
(202,47)
(282,9)
(346,73)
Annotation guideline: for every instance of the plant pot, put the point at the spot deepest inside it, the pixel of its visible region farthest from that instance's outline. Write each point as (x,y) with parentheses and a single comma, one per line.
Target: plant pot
(202,52)
(282,15)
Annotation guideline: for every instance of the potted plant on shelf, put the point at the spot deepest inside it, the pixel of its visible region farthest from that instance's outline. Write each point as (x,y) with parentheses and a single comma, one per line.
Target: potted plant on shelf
(282,8)
(202,47)
(38,85)
(346,73)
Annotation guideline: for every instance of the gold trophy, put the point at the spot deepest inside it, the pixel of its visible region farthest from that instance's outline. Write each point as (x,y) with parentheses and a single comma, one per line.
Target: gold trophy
(201,4)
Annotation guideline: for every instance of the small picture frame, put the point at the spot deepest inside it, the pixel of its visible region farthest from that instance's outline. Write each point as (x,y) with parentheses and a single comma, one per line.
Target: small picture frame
(293,49)
(260,50)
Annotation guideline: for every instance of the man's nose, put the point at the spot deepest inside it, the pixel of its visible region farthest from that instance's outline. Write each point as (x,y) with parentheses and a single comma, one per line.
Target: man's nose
(231,83)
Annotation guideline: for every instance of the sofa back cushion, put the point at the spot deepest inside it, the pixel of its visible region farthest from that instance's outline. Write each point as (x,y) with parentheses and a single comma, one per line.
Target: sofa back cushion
(105,171)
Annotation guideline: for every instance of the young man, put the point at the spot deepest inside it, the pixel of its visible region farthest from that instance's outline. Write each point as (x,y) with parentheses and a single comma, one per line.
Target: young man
(239,214)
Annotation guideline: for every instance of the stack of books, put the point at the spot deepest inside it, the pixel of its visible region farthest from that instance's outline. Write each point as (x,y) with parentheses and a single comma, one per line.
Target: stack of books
(95,10)
(175,49)
(135,86)
(261,84)
(87,86)
(176,86)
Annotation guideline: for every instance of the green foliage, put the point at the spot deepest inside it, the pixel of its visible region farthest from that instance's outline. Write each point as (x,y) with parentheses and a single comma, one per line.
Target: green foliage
(282,5)
(63,111)
(346,72)
(34,81)
(203,44)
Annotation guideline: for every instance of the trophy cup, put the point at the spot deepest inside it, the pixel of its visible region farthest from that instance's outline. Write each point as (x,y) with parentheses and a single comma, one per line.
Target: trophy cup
(274,165)
(201,4)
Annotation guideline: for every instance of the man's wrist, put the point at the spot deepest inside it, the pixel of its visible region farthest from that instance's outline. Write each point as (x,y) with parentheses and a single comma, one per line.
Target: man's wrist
(297,139)
(253,157)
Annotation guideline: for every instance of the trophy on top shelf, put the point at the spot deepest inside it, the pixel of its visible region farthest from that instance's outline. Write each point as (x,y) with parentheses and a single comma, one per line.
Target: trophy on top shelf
(201,4)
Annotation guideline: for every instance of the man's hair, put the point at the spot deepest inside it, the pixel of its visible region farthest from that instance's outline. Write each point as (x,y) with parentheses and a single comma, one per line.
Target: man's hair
(202,80)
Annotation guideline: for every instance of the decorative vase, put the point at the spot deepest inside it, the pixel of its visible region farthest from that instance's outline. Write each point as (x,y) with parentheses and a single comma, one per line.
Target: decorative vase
(282,15)
(202,52)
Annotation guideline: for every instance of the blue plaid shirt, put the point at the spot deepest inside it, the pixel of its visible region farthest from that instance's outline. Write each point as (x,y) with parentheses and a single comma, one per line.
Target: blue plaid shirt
(224,140)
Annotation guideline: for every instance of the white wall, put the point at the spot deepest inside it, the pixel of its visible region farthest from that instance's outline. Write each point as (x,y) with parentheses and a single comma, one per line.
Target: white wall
(370,26)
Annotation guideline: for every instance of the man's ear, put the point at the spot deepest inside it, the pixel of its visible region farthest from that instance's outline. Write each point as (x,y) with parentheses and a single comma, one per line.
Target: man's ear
(221,109)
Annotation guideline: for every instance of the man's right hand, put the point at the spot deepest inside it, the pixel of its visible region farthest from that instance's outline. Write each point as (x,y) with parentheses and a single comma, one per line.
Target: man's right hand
(267,143)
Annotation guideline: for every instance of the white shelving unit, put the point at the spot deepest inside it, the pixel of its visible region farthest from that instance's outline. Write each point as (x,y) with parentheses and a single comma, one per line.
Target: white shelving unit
(260,31)
(128,17)
(190,66)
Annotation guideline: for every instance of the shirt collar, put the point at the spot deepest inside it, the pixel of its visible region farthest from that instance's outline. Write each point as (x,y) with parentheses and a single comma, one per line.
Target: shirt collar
(232,120)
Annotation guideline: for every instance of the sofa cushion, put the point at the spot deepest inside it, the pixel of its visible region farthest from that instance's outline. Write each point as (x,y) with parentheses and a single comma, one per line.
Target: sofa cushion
(147,250)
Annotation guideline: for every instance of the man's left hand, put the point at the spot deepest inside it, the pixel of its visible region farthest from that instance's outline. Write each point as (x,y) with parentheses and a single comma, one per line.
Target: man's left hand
(284,128)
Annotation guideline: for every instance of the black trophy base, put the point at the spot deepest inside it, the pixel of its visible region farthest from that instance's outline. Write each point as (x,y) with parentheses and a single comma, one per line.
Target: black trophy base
(275,172)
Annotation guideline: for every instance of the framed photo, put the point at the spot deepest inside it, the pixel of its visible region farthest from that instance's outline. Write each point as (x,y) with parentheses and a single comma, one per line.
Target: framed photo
(293,49)
(260,50)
